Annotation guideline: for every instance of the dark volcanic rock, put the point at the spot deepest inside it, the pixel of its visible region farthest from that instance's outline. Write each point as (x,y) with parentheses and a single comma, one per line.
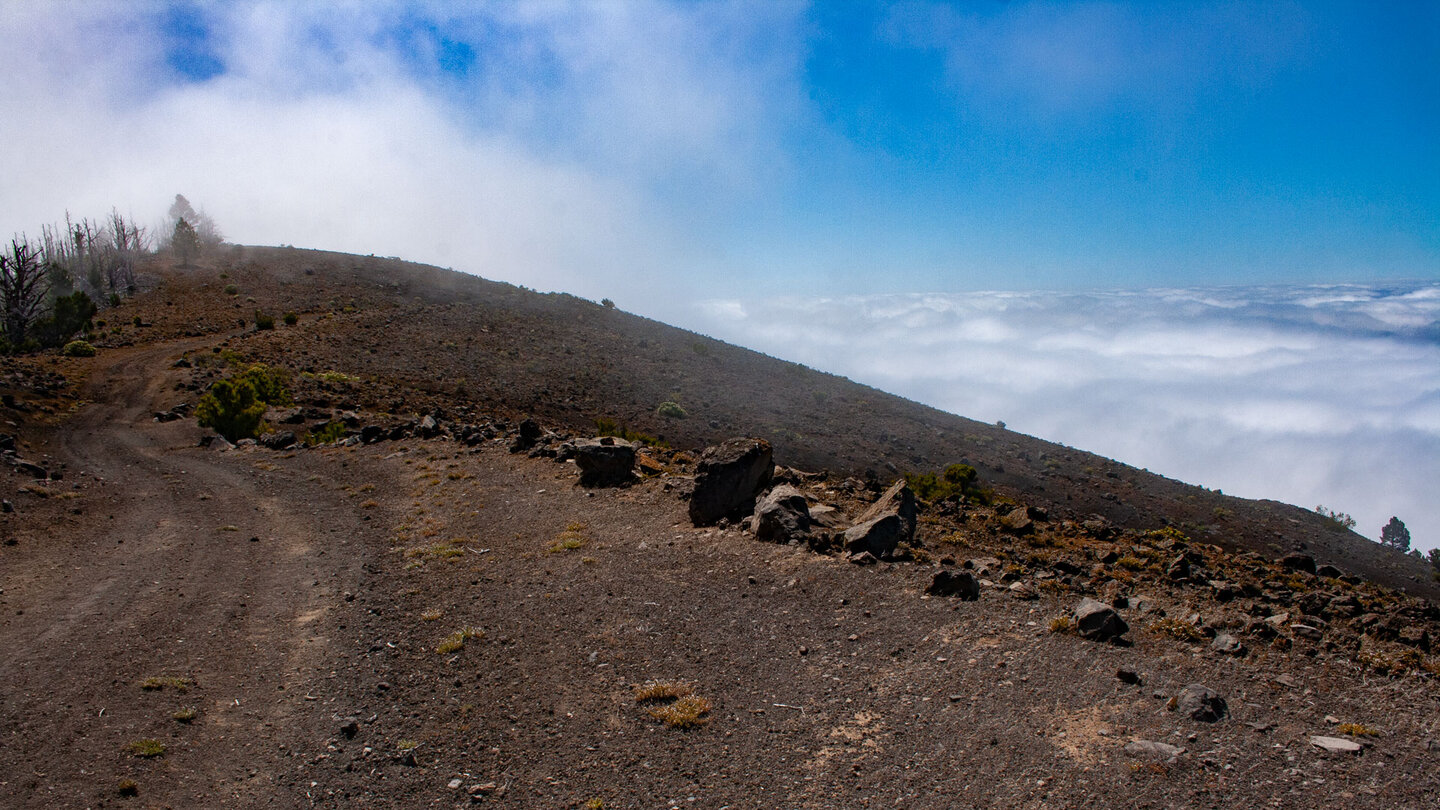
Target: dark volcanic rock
(728,478)
(530,434)
(1299,562)
(1098,621)
(1199,702)
(280,440)
(782,516)
(878,537)
(959,584)
(605,462)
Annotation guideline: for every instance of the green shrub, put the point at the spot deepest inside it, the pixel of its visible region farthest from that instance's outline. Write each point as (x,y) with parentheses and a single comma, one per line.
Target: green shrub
(958,480)
(330,433)
(235,407)
(70,314)
(263,321)
(671,410)
(291,319)
(231,289)
(78,348)
(609,427)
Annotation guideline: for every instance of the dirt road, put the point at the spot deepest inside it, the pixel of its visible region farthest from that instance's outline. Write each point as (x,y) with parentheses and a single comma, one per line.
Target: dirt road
(155,559)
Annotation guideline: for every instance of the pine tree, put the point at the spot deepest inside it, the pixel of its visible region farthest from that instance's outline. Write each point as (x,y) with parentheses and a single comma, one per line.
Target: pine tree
(185,242)
(1395,535)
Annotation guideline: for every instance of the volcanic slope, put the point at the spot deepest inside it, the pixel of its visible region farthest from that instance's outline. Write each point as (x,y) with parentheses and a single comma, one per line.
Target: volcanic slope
(423,337)
(432,620)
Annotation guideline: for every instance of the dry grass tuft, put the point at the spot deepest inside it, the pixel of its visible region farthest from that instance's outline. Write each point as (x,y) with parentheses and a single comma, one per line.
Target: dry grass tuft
(572,539)
(674,703)
(1358,730)
(690,711)
(1176,629)
(146,748)
(155,684)
(1061,624)
(455,642)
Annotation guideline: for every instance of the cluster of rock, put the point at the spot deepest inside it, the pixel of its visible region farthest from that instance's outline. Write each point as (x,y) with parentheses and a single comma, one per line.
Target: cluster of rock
(9,453)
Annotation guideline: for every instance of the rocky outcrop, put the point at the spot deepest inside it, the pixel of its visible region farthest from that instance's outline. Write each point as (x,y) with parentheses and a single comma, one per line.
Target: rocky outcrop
(877,537)
(604,462)
(782,516)
(728,478)
(528,437)
(898,500)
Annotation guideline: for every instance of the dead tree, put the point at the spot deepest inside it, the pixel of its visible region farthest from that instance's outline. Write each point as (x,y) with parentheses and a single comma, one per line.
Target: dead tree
(23,289)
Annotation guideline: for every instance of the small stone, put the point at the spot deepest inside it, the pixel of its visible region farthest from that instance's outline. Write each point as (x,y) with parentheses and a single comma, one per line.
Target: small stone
(1129,676)
(350,729)
(1227,644)
(1200,702)
(1154,751)
(1337,745)
(454,784)
(863,558)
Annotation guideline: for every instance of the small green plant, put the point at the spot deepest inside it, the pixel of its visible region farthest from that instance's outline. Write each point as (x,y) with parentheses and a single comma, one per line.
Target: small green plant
(146,748)
(957,481)
(609,427)
(671,410)
(128,788)
(291,319)
(263,321)
(186,716)
(231,289)
(1061,624)
(78,348)
(156,684)
(607,303)
(332,432)
(455,642)
(595,804)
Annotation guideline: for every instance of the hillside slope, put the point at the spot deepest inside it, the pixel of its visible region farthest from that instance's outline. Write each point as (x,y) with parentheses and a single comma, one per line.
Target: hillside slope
(423,337)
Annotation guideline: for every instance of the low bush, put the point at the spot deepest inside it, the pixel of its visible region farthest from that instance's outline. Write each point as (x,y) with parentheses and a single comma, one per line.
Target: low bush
(609,427)
(235,407)
(957,481)
(78,348)
(671,410)
(291,319)
(231,289)
(263,321)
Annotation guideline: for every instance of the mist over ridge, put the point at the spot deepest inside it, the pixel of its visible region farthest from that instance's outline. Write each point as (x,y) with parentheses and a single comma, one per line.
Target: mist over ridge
(1310,394)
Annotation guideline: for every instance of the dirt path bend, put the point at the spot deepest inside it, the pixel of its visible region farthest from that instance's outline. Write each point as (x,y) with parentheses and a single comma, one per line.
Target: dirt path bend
(220,575)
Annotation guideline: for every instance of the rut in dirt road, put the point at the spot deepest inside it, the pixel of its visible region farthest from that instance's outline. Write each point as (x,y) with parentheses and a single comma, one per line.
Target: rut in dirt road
(205,570)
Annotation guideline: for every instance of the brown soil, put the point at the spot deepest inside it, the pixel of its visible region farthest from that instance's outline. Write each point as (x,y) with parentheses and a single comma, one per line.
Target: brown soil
(298,592)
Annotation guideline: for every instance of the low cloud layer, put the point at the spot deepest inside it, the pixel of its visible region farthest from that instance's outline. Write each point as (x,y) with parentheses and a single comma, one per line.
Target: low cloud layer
(1310,395)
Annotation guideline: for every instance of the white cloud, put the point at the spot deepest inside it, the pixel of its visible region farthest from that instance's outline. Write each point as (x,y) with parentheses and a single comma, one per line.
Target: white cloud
(1300,394)
(552,163)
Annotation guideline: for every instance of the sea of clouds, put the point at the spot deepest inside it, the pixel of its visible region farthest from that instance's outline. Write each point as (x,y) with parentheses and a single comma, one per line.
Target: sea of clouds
(1306,394)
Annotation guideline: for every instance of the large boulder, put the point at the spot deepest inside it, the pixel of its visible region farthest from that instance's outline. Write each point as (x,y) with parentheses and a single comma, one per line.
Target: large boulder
(782,516)
(1299,562)
(728,478)
(877,537)
(604,462)
(898,500)
(1098,621)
